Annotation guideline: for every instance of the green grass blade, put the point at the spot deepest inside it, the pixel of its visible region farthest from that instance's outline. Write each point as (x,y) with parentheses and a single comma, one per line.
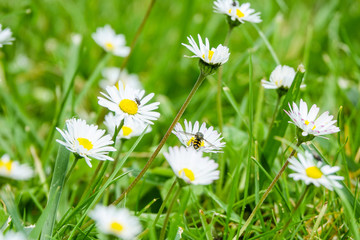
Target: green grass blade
(8,198)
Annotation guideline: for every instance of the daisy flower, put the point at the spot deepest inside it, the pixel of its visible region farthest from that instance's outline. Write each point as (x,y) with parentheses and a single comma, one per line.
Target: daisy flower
(316,172)
(307,121)
(118,222)
(13,169)
(241,13)
(87,141)
(191,166)
(130,128)
(5,36)
(11,235)
(199,137)
(130,103)
(106,38)
(281,77)
(113,76)
(214,56)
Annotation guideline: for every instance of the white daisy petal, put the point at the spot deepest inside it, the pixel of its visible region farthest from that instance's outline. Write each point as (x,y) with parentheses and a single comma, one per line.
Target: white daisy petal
(115,221)
(5,36)
(308,123)
(86,140)
(199,137)
(11,235)
(129,103)
(310,171)
(281,77)
(106,38)
(114,76)
(236,12)
(189,165)
(15,170)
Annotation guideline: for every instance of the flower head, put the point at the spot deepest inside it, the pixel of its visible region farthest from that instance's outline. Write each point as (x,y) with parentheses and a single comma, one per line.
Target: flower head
(11,235)
(315,172)
(118,222)
(5,36)
(130,103)
(199,137)
(113,76)
(281,77)
(214,56)
(86,140)
(106,38)
(13,169)
(237,13)
(130,128)
(191,166)
(307,121)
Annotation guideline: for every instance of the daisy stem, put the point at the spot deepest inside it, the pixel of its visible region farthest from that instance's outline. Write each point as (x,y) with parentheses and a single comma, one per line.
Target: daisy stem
(162,233)
(72,167)
(200,79)
(138,32)
(268,190)
(164,203)
(292,213)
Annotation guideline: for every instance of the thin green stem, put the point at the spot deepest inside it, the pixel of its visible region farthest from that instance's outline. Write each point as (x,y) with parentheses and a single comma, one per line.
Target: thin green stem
(268,190)
(292,213)
(166,220)
(275,112)
(163,140)
(138,32)
(164,202)
(72,168)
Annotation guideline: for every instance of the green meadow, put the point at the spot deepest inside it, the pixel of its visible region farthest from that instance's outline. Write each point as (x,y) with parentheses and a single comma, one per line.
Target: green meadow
(51,73)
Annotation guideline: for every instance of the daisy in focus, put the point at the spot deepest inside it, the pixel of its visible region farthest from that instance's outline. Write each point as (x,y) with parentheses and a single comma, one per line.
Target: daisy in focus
(5,36)
(316,172)
(113,76)
(14,170)
(130,128)
(199,137)
(86,141)
(191,166)
(118,222)
(281,78)
(214,56)
(308,122)
(129,103)
(236,12)
(106,38)
(11,235)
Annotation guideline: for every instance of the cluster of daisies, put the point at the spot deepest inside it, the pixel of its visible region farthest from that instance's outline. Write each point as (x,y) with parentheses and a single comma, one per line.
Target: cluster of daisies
(131,115)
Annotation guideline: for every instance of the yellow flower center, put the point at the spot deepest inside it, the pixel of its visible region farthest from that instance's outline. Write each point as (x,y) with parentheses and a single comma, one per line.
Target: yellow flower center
(239,13)
(85,143)
(211,53)
(126,130)
(128,106)
(116,227)
(188,173)
(313,172)
(307,122)
(230,11)
(109,46)
(7,165)
(277,83)
(313,127)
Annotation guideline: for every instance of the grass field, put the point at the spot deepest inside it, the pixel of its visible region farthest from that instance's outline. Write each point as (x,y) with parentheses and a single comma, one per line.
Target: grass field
(51,73)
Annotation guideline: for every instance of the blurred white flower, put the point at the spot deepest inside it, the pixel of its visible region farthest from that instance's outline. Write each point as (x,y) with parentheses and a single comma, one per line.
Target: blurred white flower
(113,76)
(15,170)
(118,222)
(86,140)
(281,77)
(5,36)
(199,137)
(307,121)
(190,165)
(213,56)
(106,38)
(130,128)
(11,235)
(242,13)
(129,103)
(316,172)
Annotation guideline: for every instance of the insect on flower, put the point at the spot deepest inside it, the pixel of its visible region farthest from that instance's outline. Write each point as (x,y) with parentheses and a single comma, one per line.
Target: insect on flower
(197,140)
